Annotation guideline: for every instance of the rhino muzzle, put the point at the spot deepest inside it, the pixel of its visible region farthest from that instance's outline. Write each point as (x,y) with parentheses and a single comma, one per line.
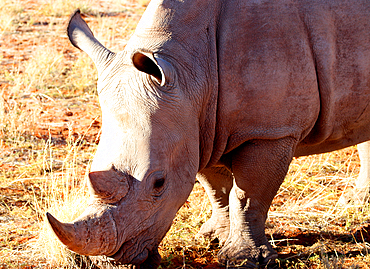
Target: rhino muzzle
(91,234)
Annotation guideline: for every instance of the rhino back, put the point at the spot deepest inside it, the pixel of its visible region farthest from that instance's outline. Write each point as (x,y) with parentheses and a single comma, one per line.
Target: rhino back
(340,38)
(294,68)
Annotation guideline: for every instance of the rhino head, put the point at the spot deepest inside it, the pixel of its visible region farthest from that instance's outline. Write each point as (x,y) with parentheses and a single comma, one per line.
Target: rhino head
(147,158)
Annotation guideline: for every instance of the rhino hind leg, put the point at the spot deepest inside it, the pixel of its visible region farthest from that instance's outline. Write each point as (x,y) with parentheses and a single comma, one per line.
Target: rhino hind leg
(217,181)
(259,167)
(360,193)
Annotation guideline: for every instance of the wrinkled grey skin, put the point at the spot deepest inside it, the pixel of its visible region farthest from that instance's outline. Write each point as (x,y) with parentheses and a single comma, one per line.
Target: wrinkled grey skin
(231,91)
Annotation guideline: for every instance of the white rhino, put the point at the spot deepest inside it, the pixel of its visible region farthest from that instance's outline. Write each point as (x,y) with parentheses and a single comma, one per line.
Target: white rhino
(230,90)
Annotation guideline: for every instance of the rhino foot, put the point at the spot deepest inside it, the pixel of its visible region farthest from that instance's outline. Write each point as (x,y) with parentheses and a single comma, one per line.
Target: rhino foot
(240,254)
(215,228)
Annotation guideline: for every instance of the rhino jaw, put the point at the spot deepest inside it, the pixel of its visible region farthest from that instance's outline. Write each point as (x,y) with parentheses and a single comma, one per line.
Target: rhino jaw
(91,234)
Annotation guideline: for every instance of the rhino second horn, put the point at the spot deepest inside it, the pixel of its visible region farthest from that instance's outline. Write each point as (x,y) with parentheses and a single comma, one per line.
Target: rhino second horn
(108,185)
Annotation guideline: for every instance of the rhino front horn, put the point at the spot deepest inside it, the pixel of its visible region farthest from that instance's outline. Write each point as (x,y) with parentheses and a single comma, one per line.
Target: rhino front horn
(93,234)
(64,231)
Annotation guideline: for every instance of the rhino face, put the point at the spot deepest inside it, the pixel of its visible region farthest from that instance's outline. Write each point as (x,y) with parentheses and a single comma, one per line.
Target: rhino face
(147,158)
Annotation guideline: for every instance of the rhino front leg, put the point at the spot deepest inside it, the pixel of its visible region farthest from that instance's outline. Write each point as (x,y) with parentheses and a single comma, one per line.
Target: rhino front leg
(259,167)
(217,181)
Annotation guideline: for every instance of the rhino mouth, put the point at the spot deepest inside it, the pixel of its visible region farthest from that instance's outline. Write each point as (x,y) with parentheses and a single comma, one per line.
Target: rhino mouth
(122,256)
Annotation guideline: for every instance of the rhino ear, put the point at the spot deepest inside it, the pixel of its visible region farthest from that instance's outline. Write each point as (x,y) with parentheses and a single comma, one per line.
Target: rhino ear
(152,65)
(82,38)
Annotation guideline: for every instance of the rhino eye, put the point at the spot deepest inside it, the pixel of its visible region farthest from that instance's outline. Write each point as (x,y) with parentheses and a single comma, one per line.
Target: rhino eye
(159,183)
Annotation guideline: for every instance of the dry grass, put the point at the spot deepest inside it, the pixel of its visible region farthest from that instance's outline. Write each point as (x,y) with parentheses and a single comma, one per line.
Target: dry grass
(59,8)
(314,187)
(10,9)
(66,201)
(49,119)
